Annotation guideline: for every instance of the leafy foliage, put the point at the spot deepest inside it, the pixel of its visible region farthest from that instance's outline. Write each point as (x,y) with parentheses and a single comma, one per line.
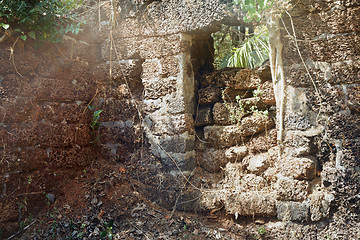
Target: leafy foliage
(242,107)
(38,19)
(253,52)
(249,50)
(254,8)
(225,41)
(108,230)
(95,123)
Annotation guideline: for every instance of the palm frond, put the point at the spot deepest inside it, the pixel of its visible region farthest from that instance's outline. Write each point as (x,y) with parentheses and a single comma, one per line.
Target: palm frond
(253,52)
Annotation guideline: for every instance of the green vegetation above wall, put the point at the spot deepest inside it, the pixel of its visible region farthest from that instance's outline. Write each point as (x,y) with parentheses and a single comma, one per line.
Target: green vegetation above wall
(253,52)
(239,47)
(44,20)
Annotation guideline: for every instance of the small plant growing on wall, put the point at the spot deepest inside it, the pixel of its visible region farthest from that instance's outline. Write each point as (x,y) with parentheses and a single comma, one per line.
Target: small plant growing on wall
(243,107)
(95,123)
(107,233)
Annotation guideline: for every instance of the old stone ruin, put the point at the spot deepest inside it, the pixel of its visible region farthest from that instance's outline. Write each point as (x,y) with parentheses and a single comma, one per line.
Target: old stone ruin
(194,138)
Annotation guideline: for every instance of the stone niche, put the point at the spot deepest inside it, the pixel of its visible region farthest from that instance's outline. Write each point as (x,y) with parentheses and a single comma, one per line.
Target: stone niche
(190,125)
(238,159)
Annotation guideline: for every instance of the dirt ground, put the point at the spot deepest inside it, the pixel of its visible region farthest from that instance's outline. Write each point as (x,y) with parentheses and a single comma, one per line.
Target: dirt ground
(104,201)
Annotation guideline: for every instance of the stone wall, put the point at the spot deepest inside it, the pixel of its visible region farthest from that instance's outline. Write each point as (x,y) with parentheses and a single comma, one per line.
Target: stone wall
(321,111)
(147,100)
(319,147)
(163,98)
(45,135)
(46,143)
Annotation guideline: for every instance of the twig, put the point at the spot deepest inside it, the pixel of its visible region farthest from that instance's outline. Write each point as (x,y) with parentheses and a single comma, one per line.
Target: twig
(12,56)
(96,92)
(22,229)
(139,230)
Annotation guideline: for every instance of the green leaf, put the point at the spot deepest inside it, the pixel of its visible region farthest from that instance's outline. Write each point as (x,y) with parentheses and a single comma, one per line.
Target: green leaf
(111,223)
(261,4)
(17,30)
(97,113)
(257,17)
(247,19)
(23,37)
(32,35)
(5,26)
(103,234)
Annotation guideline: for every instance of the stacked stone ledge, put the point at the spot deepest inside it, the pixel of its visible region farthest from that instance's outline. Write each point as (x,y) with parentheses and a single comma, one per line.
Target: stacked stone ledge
(256,181)
(215,123)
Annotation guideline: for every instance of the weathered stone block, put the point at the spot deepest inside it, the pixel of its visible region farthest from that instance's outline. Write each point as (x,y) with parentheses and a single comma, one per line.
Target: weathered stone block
(353,99)
(299,77)
(184,162)
(296,145)
(336,49)
(79,50)
(33,158)
(182,17)
(256,123)
(65,90)
(115,110)
(223,135)
(230,113)
(159,87)
(126,48)
(70,113)
(71,157)
(320,204)
(252,203)
(17,110)
(158,47)
(235,154)
(222,114)
(209,95)
(234,134)
(257,163)
(179,143)
(13,86)
(49,135)
(25,61)
(262,141)
(295,121)
(128,28)
(160,68)
(115,152)
(117,132)
(264,71)
(212,159)
(233,173)
(203,116)
(266,93)
(297,168)
(121,70)
(246,79)
(344,126)
(221,78)
(231,94)
(71,70)
(252,182)
(292,211)
(288,189)
(47,89)
(270,175)
(171,125)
